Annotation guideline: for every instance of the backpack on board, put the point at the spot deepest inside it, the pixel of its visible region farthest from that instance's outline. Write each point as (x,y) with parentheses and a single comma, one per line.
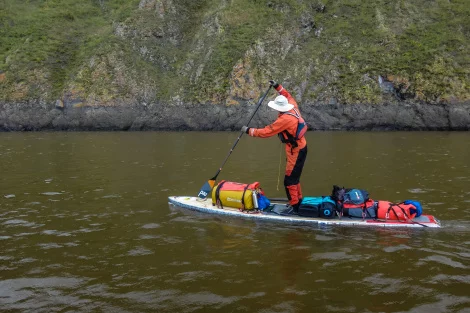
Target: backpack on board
(349,195)
(354,202)
(356,196)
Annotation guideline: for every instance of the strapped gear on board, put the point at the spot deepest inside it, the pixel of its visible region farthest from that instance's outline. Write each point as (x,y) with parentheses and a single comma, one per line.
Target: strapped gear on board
(344,202)
(396,211)
(240,196)
(353,202)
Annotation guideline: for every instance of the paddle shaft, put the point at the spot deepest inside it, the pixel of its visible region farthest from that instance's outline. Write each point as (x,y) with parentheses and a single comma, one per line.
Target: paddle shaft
(241,134)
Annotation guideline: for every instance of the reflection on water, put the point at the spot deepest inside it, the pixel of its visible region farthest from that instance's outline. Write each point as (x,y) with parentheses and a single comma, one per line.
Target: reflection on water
(85,225)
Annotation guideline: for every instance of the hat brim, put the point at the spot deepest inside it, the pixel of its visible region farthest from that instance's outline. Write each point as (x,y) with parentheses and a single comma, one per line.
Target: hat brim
(279,108)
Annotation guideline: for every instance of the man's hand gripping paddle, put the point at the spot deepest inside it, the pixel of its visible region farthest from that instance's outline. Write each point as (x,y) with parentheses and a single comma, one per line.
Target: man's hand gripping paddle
(208,185)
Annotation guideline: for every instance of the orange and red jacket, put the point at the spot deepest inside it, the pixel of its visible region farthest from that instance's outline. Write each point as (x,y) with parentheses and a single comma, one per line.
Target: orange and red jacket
(283,122)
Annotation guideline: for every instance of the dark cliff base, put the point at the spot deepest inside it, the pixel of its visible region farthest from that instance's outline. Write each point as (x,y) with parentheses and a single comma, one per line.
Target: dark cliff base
(34,117)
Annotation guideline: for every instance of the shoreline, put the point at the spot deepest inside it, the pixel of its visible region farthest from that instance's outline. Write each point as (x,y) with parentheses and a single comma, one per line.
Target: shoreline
(209,117)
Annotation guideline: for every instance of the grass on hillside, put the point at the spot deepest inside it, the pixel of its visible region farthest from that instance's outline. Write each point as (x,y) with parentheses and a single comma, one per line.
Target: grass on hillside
(421,45)
(423,42)
(54,37)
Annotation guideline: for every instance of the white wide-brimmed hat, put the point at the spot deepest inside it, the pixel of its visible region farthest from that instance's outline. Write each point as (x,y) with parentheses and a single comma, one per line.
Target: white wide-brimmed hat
(280,104)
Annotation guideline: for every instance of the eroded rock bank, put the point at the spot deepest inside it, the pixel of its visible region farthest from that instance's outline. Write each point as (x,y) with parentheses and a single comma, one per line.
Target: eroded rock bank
(209,117)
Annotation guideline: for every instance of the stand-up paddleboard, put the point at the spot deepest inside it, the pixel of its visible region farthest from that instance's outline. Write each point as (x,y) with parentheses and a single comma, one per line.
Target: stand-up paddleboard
(277,212)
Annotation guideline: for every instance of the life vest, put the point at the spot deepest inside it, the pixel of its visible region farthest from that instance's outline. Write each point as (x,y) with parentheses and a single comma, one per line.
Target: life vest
(287,137)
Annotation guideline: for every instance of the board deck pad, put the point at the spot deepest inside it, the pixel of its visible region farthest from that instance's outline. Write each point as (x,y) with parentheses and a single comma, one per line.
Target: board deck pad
(279,209)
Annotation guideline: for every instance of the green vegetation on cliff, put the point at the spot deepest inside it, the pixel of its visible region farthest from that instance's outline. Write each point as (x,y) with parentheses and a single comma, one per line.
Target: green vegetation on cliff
(105,52)
(44,43)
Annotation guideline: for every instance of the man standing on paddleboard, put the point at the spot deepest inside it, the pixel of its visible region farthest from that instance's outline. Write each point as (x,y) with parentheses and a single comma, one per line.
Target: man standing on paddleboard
(290,127)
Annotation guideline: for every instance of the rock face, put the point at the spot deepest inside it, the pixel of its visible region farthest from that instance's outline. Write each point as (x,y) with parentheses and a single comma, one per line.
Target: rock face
(19,117)
(202,65)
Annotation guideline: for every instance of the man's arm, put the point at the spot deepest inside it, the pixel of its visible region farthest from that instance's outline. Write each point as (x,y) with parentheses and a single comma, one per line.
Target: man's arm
(273,129)
(282,91)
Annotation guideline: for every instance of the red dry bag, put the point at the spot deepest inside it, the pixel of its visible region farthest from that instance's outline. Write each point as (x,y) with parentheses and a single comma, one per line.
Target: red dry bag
(395,211)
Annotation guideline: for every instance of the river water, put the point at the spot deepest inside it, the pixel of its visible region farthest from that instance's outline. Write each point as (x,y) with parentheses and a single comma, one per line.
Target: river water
(85,225)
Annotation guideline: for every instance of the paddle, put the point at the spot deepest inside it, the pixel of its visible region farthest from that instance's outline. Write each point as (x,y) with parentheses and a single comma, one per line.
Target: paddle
(208,185)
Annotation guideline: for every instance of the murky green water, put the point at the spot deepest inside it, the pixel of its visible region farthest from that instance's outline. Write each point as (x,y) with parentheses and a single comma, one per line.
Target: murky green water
(85,225)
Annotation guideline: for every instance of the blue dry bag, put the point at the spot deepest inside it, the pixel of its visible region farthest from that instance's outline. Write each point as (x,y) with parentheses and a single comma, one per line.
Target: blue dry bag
(417,205)
(263,202)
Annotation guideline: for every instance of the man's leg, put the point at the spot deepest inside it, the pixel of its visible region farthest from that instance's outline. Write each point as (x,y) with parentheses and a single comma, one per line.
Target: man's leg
(294,166)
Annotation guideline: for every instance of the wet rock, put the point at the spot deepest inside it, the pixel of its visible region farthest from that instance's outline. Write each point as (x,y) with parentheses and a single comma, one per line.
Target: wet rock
(459,117)
(59,104)
(161,116)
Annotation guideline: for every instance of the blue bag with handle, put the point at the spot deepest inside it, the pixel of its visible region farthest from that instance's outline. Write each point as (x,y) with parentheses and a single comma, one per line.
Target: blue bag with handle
(417,205)
(323,207)
(263,202)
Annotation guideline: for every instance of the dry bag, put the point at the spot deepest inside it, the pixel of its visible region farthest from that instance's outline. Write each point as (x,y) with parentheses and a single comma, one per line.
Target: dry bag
(235,195)
(395,211)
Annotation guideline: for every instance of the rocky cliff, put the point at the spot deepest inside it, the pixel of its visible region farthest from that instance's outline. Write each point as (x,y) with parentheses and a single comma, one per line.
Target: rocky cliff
(185,64)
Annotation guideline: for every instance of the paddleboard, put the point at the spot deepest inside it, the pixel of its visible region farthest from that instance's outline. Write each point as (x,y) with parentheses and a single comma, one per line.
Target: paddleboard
(277,212)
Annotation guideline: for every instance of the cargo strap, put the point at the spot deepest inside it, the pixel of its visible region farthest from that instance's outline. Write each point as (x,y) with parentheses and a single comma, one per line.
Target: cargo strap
(243,198)
(364,208)
(217,194)
(404,213)
(390,208)
(365,211)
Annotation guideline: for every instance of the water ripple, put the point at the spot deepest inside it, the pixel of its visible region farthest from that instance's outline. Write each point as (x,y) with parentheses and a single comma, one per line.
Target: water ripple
(381,284)
(443,260)
(340,255)
(217,263)
(56,233)
(442,278)
(50,245)
(38,293)
(396,248)
(52,193)
(139,251)
(444,303)
(17,222)
(151,226)
(193,276)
